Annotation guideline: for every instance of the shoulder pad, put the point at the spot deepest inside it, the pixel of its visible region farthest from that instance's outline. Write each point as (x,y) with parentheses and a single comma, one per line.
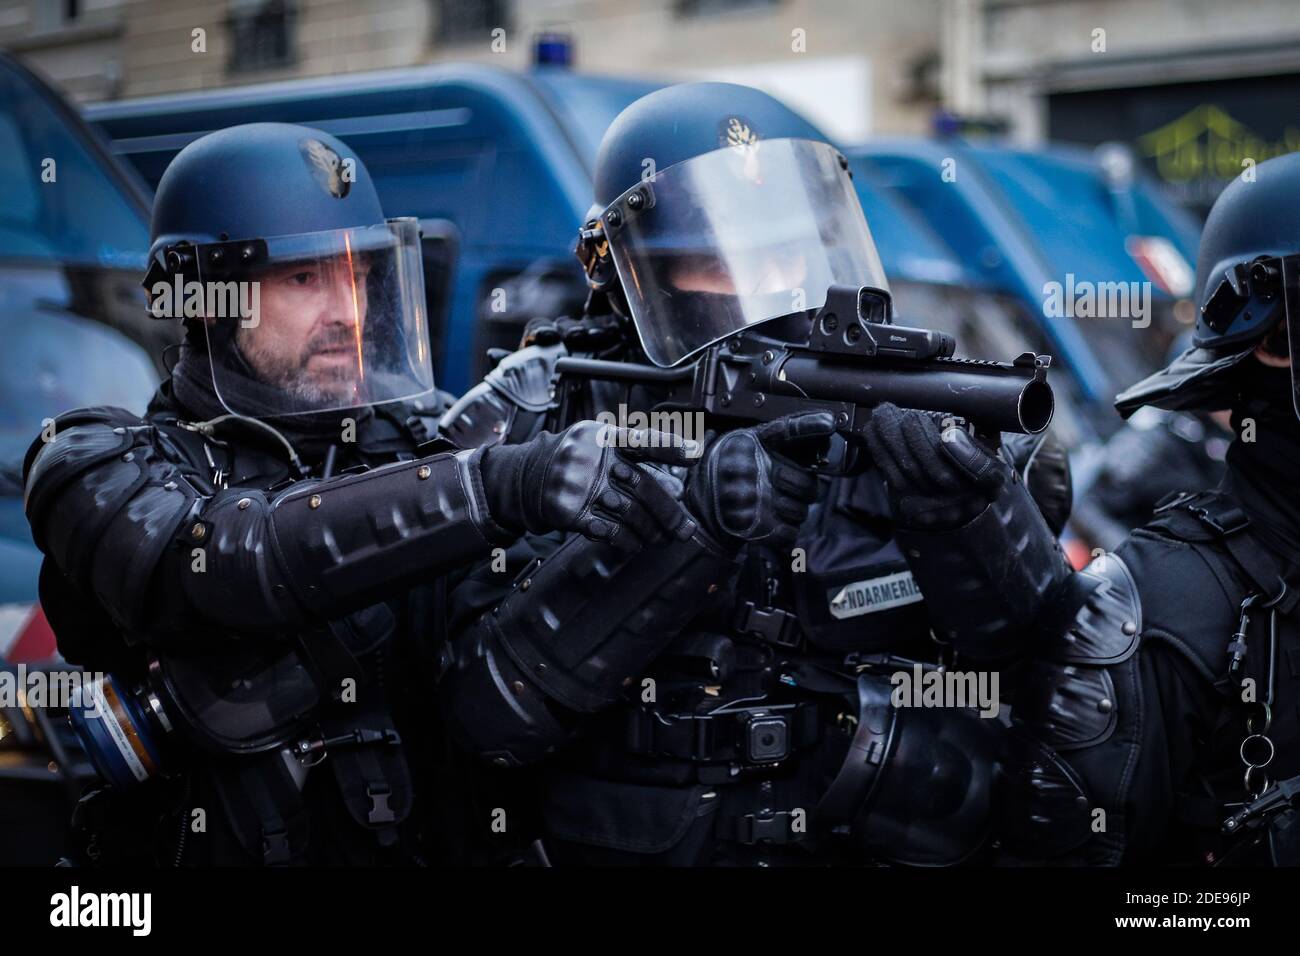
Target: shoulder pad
(77,440)
(520,382)
(1044,464)
(103,503)
(1103,614)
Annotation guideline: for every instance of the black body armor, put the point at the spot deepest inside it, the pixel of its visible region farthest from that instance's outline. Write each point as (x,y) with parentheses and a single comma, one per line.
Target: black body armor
(1170,689)
(685,706)
(266,614)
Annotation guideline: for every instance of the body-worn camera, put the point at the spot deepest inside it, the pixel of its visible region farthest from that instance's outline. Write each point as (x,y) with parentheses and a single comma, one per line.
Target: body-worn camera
(767,738)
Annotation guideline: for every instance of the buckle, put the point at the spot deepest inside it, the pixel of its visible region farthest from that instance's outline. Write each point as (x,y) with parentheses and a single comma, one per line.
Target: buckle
(275,847)
(1226,522)
(771,624)
(380,811)
(765,828)
(1223,520)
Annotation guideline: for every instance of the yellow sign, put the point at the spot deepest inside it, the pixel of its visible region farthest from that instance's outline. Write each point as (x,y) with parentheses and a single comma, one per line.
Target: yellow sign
(1209,142)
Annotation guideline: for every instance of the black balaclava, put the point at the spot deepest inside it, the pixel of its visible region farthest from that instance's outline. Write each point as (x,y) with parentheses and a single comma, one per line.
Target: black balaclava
(310,433)
(1264,474)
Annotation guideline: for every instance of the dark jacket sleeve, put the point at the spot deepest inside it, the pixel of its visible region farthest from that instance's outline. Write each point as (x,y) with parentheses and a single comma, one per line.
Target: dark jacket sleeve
(133,528)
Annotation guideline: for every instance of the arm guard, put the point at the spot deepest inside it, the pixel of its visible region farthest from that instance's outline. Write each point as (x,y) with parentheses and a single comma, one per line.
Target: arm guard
(1044,465)
(987,582)
(567,640)
(130,525)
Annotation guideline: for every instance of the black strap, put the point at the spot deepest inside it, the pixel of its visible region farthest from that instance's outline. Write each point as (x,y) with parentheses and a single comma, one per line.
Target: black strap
(376,787)
(773,827)
(264,807)
(734,735)
(772,625)
(1229,523)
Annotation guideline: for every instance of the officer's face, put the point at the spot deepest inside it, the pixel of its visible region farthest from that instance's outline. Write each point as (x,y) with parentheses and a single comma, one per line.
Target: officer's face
(1271,360)
(776,272)
(308,337)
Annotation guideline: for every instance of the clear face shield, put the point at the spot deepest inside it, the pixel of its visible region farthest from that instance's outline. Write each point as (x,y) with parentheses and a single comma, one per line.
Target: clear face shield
(313,322)
(1290,266)
(734,237)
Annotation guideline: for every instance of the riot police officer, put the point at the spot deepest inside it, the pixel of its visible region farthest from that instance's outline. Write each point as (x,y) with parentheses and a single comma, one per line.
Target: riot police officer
(1167,687)
(255,562)
(698,703)
(1156,452)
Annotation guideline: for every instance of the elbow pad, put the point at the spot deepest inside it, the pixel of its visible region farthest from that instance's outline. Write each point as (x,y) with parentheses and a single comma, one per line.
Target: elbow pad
(575,630)
(1081,703)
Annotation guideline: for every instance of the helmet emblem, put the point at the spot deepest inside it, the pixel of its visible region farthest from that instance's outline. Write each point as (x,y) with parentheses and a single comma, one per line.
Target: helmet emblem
(326,167)
(736,132)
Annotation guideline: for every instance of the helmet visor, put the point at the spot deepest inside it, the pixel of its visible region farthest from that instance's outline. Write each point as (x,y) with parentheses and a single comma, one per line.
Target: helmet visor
(315,322)
(737,236)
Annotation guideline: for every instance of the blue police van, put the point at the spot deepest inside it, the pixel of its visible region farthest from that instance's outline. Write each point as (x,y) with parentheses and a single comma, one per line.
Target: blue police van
(74,230)
(1040,224)
(73,234)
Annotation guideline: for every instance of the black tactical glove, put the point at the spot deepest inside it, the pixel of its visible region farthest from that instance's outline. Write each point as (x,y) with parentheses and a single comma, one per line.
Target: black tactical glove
(587,479)
(939,479)
(747,488)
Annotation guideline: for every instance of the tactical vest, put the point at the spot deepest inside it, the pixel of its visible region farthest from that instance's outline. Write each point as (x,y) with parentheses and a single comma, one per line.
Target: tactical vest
(1255,736)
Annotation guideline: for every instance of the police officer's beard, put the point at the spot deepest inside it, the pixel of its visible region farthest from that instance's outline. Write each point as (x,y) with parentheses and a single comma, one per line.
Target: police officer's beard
(1264,472)
(334,384)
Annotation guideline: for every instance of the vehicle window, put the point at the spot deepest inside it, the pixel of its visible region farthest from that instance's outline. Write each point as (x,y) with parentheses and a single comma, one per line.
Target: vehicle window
(63,362)
(56,201)
(72,247)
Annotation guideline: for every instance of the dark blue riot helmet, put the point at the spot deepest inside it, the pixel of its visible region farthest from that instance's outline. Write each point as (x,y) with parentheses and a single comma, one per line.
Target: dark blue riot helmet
(1248,293)
(717,207)
(269,241)
(677,123)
